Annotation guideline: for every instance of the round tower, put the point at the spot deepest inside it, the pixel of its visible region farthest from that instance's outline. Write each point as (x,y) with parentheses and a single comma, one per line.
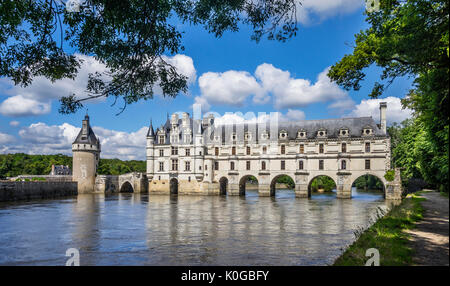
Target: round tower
(86,155)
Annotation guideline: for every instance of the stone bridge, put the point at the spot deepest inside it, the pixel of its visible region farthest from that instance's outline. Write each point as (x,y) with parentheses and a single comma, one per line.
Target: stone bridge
(134,182)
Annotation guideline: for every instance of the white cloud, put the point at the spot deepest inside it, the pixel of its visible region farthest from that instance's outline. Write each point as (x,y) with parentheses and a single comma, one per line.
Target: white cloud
(6,138)
(40,138)
(229,88)
(311,11)
(232,88)
(292,92)
(371,107)
(37,97)
(14,123)
(250,117)
(295,115)
(20,105)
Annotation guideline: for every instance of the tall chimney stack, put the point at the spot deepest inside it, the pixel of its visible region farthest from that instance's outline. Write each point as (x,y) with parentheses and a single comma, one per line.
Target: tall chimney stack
(383,106)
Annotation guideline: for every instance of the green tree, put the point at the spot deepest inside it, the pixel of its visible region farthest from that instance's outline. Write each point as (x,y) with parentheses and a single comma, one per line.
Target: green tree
(409,38)
(129,36)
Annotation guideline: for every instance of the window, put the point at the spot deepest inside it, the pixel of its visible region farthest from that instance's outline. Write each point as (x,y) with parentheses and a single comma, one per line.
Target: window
(300,165)
(174,165)
(200,153)
(188,166)
(188,152)
(174,150)
(231,165)
(264,149)
(302,148)
(248,150)
(320,148)
(233,150)
(216,151)
(283,149)
(161,152)
(263,165)
(320,164)
(344,147)
(216,166)
(283,165)
(161,166)
(367,146)
(206,167)
(343,164)
(248,165)
(367,164)
(161,139)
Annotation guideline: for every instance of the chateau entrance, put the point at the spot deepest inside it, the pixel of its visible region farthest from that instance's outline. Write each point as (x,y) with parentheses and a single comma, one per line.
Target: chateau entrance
(223,186)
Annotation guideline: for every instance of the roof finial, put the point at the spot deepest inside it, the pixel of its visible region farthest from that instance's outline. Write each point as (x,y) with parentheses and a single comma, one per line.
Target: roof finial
(86,117)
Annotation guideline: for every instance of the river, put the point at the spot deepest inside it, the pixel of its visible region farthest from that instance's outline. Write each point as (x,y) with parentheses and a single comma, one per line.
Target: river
(135,229)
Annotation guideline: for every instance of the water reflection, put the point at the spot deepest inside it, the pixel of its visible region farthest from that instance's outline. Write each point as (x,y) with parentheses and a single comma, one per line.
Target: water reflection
(129,229)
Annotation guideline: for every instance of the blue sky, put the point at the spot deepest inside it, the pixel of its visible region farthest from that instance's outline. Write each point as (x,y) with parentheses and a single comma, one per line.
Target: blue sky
(229,74)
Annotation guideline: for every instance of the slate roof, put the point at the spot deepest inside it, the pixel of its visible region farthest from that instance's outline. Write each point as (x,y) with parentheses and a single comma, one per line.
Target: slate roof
(90,138)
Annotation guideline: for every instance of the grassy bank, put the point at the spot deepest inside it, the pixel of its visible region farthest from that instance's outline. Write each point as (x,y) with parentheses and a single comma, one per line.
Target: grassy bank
(387,236)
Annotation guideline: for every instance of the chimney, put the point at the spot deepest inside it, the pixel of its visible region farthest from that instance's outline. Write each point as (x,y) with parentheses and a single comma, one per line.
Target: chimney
(383,106)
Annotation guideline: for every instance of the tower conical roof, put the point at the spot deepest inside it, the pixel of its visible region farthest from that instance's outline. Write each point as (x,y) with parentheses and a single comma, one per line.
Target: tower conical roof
(86,135)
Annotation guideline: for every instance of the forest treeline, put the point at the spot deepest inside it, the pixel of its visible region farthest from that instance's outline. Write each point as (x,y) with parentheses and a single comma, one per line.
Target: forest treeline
(12,165)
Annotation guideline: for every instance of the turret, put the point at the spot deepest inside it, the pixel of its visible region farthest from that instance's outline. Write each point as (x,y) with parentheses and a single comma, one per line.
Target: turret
(150,150)
(383,107)
(86,155)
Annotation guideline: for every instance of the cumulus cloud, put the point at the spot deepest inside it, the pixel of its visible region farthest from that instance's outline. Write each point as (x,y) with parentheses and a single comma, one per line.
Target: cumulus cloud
(293,92)
(232,88)
(311,11)
(261,117)
(14,123)
(6,138)
(371,107)
(40,138)
(229,88)
(20,105)
(36,98)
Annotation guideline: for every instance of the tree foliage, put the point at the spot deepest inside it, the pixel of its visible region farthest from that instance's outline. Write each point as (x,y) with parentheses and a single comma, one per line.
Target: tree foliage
(12,165)
(130,37)
(409,38)
(368,182)
(323,182)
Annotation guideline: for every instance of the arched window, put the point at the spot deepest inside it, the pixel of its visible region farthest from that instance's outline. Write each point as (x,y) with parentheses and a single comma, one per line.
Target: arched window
(300,165)
(343,164)
(264,149)
(263,165)
(232,166)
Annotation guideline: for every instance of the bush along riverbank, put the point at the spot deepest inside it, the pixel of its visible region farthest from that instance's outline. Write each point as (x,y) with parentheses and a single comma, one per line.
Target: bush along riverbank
(387,235)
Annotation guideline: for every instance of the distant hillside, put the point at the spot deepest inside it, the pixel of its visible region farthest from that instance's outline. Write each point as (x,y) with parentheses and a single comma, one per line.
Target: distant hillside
(12,165)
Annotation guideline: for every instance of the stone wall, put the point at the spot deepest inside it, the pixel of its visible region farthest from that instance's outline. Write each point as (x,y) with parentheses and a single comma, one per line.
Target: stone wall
(47,178)
(12,191)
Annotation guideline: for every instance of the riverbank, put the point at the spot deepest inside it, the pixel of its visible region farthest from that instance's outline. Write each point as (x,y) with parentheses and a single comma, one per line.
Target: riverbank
(430,238)
(388,235)
(14,191)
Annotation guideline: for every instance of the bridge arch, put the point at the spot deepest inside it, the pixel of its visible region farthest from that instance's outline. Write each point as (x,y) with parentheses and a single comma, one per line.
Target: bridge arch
(274,180)
(323,181)
(126,187)
(223,186)
(369,177)
(173,186)
(242,182)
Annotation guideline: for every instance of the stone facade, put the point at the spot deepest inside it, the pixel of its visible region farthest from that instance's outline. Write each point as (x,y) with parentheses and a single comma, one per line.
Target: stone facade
(60,170)
(188,156)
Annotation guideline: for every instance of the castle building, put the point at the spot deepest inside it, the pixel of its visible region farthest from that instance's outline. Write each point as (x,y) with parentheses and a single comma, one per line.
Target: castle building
(201,157)
(86,155)
(59,170)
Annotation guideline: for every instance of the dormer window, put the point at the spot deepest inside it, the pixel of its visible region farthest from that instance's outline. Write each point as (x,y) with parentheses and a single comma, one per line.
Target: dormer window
(322,133)
(233,136)
(283,134)
(265,135)
(343,132)
(301,134)
(367,131)
(217,138)
(247,136)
